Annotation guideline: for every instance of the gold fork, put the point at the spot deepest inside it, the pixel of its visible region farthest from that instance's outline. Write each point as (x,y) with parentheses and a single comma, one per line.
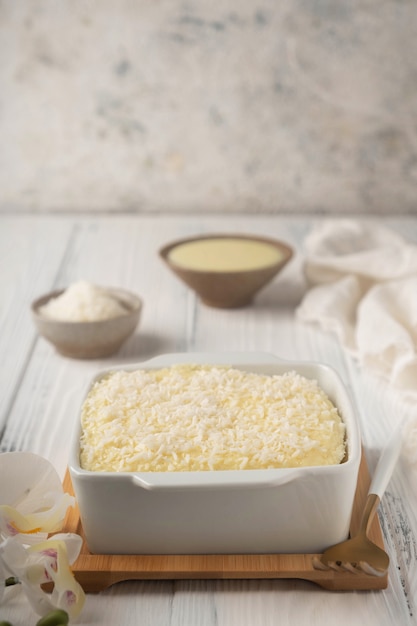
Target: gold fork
(360,554)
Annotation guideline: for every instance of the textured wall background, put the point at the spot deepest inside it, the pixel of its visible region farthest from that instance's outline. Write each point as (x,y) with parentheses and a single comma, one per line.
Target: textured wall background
(220,105)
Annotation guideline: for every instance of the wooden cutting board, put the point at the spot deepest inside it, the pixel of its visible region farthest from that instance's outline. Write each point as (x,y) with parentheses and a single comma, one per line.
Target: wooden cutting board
(96,572)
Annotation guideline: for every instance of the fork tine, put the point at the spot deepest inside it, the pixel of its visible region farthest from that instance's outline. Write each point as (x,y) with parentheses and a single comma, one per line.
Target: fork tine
(318,564)
(368,569)
(346,566)
(353,568)
(337,567)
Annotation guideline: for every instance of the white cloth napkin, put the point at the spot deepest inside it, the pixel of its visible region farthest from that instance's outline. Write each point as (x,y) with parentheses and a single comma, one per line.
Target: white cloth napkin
(362,282)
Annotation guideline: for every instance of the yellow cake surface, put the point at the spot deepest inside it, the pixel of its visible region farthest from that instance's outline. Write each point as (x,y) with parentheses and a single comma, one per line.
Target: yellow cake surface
(200,418)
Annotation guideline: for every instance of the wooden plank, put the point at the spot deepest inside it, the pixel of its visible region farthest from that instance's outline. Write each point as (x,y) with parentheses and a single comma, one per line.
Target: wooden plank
(32,251)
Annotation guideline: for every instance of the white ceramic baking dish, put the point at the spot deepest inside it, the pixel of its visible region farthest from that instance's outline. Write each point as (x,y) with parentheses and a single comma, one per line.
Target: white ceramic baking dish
(300,510)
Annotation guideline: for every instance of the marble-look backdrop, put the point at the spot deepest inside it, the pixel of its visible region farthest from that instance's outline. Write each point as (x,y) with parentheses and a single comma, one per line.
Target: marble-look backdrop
(213,105)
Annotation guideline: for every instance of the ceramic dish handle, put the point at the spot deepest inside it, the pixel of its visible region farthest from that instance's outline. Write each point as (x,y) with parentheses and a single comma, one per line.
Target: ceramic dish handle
(209,480)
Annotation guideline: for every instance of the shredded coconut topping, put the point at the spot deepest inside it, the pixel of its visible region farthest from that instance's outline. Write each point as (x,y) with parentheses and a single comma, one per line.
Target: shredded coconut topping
(197,418)
(83,302)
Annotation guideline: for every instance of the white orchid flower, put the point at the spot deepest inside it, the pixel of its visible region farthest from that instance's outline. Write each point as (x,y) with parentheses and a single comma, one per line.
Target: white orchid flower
(32,505)
(32,500)
(46,562)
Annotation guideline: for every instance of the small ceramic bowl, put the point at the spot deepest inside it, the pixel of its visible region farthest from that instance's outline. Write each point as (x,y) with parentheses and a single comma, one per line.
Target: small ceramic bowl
(89,340)
(228,270)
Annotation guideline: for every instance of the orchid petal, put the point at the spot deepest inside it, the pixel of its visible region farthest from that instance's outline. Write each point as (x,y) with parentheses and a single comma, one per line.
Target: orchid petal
(67,594)
(31,496)
(12,522)
(14,556)
(34,504)
(46,562)
(73,544)
(26,477)
(5,573)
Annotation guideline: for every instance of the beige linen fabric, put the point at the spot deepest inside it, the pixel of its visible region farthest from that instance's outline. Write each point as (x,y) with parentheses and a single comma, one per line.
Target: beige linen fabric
(362,285)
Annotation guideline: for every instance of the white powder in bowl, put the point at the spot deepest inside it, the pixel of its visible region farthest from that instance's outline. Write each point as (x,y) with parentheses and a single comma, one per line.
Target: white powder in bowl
(83,302)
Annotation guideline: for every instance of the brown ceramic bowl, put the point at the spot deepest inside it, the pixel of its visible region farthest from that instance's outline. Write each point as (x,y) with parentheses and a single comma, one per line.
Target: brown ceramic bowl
(224,287)
(89,340)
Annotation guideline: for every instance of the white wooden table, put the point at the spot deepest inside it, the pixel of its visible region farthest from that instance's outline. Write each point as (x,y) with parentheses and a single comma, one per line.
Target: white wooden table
(41,391)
